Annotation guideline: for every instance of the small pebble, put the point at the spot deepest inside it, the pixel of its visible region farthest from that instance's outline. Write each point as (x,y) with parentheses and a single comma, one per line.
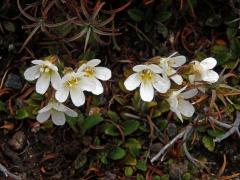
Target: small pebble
(18,141)
(14,82)
(172,130)
(156,147)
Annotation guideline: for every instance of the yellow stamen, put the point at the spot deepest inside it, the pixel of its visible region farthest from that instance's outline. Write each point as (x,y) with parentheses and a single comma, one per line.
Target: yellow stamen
(146,75)
(72,82)
(89,71)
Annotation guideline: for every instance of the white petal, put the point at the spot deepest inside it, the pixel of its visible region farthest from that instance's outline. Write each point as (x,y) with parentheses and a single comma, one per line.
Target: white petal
(99,88)
(155,68)
(132,82)
(202,89)
(161,84)
(81,68)
(56,80)
(58,118)
(103,73)
(46,108)
(208,63)
(62,94)
(94,62)
(70,112)
(43,83)
(77,96)
(177,61)
(189,94)
(178,113)
(87,84)
(42,117)
(139,68)
(177,79)
(173,102)
(176,93)
(52,66)
(191,78)
(211,76)
(146,91)
(32,73)
(186,108)
(59,107)
(38,62)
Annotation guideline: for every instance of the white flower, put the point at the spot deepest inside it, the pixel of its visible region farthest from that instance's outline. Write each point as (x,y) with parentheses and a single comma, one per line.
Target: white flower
(90,70)
(74,84)
(147,77)
(168,64)
(57,112)
(203,71)
(45,72)
(179,105)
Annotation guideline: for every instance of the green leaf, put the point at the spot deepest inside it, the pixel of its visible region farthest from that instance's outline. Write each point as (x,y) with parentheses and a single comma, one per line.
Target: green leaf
(235,47)
(72,122)
(3,107)
(134,146)
(130,127)
(136,15)
(128,171)
(103,158)
(222,54)
(214,21)
(214,132)
(186,176)
(22,114)
(156,178)
(165,177)
(80,161)
(111,130)
(162,29)
(63,30)
(208,143)
(91,121)
(36,96)
(113,115)
(163,16)
(9,26)
(141,165)
(162,124)
(118,153)
(231,32)
(140,177)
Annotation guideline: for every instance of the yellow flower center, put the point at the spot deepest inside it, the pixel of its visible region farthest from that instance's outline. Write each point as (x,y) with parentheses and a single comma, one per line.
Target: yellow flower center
(197,69)
(146,75)
(72,82)
(89,71)
(45,69)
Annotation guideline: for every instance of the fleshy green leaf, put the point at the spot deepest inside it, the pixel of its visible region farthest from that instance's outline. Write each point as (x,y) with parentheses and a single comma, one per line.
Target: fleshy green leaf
(2,107)
(130,127)
(136,15)
(141,165)
(118,153)
(134,146)
(214,133)
(163,16)
(111,130)
(91,121)
(22,114)
(128,171)
(208,143)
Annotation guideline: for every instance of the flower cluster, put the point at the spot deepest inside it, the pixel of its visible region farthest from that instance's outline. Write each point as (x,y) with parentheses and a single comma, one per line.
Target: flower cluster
(158,75)
(155,75)
(73,83)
